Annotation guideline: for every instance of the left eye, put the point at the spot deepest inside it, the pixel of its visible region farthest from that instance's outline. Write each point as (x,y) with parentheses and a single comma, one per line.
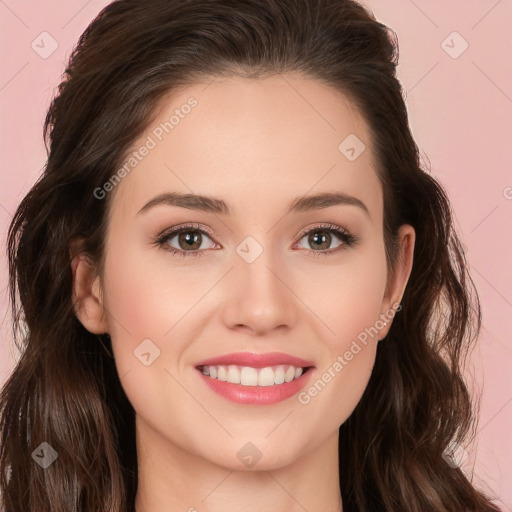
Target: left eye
(188,237)
(190,240)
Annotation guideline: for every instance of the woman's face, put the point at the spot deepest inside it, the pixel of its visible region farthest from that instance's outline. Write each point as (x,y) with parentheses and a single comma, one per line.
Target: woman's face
(261,279)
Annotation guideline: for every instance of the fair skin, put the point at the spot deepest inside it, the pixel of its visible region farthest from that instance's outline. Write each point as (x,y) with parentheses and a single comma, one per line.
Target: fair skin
(257,145)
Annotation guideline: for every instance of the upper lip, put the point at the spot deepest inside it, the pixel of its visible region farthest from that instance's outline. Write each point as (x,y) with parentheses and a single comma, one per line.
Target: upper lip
(255,360)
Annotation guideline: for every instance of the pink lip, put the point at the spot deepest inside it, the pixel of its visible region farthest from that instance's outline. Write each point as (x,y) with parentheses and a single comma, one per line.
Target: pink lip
(257,395)
(255,360)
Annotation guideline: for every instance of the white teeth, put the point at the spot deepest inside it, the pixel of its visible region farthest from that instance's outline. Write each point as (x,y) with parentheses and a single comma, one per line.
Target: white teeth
(279,375)
(222,373)
(290,374)
(248,376)
(233,374)
(266,376)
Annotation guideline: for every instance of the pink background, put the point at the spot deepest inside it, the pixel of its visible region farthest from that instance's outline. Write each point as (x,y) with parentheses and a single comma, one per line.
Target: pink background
(460,113)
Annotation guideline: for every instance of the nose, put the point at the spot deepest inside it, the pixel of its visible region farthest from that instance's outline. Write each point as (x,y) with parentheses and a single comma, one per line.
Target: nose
(259,297)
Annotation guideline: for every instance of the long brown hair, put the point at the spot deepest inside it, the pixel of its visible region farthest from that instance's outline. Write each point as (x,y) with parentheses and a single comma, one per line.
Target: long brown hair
(65,389)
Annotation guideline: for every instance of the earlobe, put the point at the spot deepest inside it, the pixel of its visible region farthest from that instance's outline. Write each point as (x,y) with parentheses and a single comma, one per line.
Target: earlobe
(399,278)
(87,296)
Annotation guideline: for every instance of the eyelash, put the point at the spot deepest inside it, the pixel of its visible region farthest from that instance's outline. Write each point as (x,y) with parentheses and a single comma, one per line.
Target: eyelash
(347,238)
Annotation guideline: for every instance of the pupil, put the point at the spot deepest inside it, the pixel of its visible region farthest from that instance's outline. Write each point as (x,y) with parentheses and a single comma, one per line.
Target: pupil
(190,239)
(320,239)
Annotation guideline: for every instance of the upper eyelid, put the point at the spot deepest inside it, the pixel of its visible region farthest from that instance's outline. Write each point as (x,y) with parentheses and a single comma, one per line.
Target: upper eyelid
(166,233)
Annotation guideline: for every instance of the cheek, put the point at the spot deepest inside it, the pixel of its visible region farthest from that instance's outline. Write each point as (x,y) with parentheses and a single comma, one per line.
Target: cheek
(346,296)
(141,308)
(139,314)
(144,298)
(350,306)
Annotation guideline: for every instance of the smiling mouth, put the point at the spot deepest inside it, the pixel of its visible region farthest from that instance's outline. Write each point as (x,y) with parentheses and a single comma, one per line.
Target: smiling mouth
(249,376)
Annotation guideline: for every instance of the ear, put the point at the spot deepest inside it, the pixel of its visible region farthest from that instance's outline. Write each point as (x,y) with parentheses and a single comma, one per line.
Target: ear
(87,296)
(399,277)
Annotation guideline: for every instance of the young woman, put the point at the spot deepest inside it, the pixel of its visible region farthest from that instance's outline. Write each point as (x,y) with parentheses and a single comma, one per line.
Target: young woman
(234,287)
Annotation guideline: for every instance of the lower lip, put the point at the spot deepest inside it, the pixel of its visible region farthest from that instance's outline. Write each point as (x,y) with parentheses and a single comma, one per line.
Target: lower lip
(257,395)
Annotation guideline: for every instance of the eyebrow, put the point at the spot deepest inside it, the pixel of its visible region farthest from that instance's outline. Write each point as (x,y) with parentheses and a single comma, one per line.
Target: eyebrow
(215,205)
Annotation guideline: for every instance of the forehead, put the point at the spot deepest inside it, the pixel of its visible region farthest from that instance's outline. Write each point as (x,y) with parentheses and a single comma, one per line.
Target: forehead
(257,144)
